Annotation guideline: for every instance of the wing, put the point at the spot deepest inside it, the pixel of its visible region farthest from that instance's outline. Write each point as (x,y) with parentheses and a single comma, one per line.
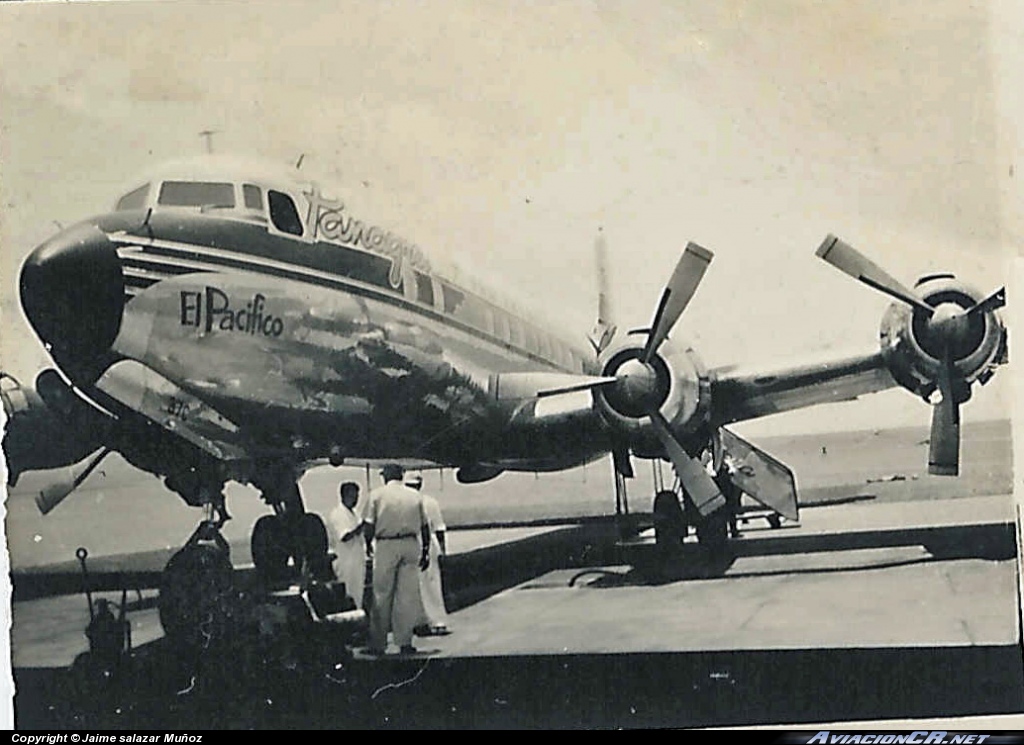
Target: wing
(741,393)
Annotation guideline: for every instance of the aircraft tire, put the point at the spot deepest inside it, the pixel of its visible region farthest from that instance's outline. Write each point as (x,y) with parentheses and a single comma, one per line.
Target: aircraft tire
(713,531)
(311,540)
(669,521)
(196,595)
(270,548)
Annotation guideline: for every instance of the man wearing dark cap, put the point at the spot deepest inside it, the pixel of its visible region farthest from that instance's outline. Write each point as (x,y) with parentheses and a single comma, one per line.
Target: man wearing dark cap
(398,538)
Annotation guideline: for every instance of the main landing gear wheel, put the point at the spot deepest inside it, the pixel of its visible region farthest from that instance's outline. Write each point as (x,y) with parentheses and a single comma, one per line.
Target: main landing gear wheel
(196,595)
(713,533)
(312,541)
(276,539)
(669,521)
(270,548)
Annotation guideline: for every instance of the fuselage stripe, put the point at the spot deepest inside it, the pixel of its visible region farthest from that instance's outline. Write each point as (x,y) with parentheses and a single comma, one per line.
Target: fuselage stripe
(213,259)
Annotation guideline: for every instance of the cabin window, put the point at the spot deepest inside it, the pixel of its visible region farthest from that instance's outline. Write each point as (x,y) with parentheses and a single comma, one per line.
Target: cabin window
(517,332)
(529,338)
(253,197)
(452,298)
(134,200)
(501,329)
(424,288)
(196,194)
(283,213)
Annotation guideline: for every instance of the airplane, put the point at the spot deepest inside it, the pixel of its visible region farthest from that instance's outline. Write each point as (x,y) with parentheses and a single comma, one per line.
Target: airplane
(227,320)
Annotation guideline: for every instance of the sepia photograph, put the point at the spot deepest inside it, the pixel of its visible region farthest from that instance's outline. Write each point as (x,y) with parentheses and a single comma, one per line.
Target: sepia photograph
(474,365)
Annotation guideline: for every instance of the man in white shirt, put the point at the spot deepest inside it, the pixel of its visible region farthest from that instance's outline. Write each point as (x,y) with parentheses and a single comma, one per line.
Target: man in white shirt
(398,538)
(350,550)
(434,621)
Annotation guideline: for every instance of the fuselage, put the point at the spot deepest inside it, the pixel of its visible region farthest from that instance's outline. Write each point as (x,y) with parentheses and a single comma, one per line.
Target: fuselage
(309,330)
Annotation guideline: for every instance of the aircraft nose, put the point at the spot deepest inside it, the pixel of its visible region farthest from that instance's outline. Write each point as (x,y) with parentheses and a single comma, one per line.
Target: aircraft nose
(72,292)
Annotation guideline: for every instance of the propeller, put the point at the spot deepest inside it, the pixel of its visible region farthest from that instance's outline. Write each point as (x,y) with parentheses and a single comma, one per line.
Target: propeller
(635,374)
(947,326)
(637,386)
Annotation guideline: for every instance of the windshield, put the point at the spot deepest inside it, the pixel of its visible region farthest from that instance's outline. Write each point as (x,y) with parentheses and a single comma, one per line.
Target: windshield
(196,194)
(134,199)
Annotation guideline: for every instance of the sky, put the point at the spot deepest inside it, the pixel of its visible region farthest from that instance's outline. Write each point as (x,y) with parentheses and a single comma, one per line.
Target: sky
(503,136)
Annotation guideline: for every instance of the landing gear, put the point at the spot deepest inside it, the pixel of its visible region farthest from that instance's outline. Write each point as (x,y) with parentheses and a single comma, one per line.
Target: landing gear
(197,590)
(282,545)
(289,539)
(674,514)
(713,531)
(670,527)
(270,548)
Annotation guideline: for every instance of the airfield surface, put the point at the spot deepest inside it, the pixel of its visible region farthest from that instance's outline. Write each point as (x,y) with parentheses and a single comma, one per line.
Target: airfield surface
(882,576)
(930,573)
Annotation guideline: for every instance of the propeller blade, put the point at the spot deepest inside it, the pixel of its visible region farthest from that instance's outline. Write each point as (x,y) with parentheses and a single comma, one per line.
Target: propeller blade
(698,483)
(995,301)
(677,295)
(583,385)
(944,446)
(849,260)
(54,494)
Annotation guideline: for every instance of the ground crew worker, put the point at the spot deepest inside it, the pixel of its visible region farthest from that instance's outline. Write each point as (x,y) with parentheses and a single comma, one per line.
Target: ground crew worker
(107,636)
(397,536)
(350,551)
(434,621)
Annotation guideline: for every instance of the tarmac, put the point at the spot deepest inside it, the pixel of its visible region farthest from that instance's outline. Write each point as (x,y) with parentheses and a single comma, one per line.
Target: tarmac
(933,582)
(856,575)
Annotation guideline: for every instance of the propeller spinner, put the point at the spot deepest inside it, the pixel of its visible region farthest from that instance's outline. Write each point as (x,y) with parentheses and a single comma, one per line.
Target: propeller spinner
(946,328)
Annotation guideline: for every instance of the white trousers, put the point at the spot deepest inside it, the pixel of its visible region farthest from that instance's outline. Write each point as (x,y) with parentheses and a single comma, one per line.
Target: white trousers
(396,591)
(434,612)
(350,566)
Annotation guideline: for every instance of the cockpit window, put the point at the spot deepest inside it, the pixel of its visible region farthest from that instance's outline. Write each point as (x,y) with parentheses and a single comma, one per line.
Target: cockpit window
(197,194)
(253,197)
(134,200)
(283,213)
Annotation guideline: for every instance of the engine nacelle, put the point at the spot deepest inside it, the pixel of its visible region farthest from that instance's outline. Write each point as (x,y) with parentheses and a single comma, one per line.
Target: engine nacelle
(674,382)
(914,344)
(48,426)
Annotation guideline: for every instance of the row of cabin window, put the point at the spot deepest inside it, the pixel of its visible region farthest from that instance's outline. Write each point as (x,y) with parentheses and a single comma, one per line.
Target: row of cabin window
(490,319)
(283,213)
(285,217)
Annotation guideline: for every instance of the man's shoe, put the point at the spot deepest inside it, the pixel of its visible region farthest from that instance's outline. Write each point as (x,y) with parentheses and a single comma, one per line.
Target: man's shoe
(440,631)
(408,649)
(421,630)
(373,652)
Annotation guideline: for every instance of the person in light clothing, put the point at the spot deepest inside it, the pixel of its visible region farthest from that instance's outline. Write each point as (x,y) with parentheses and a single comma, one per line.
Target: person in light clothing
(397,536)
(350,564)
(434,621)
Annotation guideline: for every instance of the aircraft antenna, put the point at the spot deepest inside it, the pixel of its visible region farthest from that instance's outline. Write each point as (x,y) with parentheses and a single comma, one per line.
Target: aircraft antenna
(208,135)
(298,163)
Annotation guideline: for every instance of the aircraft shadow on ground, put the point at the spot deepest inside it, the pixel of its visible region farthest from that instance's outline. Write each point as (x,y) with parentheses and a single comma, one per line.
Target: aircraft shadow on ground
(477,575)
